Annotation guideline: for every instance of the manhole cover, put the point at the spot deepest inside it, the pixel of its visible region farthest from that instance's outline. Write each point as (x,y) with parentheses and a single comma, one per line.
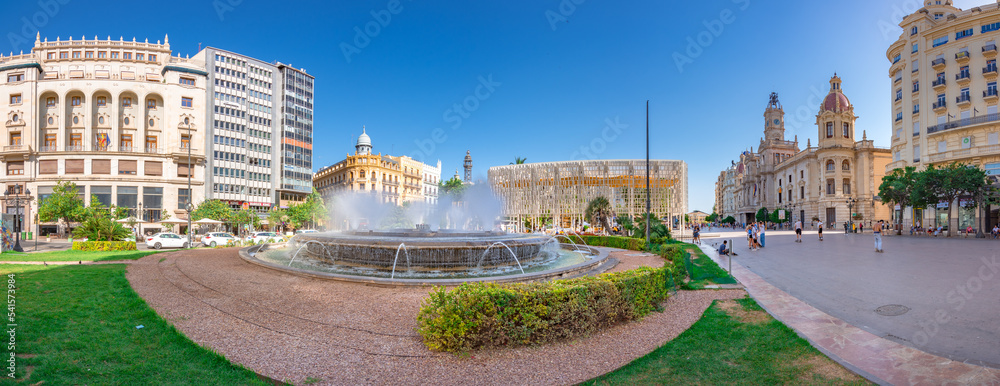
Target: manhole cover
(892,310)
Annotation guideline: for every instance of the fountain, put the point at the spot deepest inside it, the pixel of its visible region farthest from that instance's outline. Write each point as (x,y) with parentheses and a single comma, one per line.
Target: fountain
(433,256)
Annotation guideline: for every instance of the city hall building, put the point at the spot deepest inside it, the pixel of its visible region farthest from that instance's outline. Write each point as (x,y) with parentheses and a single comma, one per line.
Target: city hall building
(943,70)
(558,192)
(124,120)
(834,182)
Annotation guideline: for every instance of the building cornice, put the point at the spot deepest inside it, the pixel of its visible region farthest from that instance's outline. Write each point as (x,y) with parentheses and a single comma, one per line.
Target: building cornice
(20,66)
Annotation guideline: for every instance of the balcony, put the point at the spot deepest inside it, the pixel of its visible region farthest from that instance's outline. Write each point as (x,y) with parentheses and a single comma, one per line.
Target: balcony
(102,148)
(938,64)
(899,117)
(128,149)
(990,72)
(990,95)
(939,84)
(963,100)
(16,149)
(962,57)
(986,118)
(74,148)
(897,80)
(916,88)
(963,78)
(153,150)
(896,165)
(940,106)
(990,50)
(956,155)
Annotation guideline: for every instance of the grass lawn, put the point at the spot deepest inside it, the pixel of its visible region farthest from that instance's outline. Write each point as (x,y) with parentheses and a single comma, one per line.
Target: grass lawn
(703,271)
(735,342)
(71,255)
(77,325)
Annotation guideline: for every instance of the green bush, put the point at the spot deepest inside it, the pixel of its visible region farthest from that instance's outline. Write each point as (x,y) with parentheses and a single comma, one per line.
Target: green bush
(619,242)
(100,228)
(104,246)
(483,315)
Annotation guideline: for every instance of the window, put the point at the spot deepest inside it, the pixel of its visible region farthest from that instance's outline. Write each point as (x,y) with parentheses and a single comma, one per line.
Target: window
(802,192)
(991,89)
(140,57)
(102,193)
(963,73)
(15,99)
(830,187)
(127,56)
(186,81)
(896,156)
(49,166)
(50,102)
(938,16)
(150,143)
(74,166)
(114,55)
(896,58)
(127,102)
(941,40)
(846,165)
(101,166)
(185,141)
(102,55)
(151,103)
(126,142)
(128,196)
(15,168)
(963,34)
(847,130)
(50,141)
(152,58)
(992,138)
(990,27)
(916,153)
(916,108)
(914,48)
(991,66)
(899,94)
(75,101)
(89,55)
(847,186)
(829,129)
(186,102)
(76,141)
(76,54)
(102,101)
(899,133)
(15,139)
(829,165)
(15,78)
(50,56)
(942,146)
(916,85)
(913,31)
(64,55)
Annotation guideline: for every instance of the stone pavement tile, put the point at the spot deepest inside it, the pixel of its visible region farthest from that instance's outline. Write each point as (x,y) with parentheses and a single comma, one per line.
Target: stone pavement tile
(876,358)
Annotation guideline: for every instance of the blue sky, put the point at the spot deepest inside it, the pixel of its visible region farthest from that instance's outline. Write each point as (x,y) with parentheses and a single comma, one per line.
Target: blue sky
(545,80)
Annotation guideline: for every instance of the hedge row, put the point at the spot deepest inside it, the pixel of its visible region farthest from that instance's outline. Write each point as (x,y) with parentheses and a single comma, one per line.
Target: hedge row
(482,315)
(104,246)
(619,242)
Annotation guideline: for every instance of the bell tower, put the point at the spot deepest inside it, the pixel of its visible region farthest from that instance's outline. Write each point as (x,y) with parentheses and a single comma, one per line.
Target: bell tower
(835,120)
(774,120)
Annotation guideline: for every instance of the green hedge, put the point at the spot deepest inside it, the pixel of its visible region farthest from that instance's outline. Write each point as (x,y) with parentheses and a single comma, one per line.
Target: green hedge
(619,242)
(483,315)
(104,246)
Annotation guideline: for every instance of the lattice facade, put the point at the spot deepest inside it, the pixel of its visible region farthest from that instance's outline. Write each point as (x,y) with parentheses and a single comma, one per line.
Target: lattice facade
(559,191)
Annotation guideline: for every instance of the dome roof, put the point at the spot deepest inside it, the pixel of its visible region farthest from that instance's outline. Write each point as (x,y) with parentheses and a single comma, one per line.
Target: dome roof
(830,104)
(364,139)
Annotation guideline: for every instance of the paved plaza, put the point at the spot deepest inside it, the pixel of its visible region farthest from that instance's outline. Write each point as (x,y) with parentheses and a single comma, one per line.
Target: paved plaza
(950,286)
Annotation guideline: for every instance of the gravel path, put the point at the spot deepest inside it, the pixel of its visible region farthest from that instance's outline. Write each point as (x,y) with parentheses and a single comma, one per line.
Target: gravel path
(291,328)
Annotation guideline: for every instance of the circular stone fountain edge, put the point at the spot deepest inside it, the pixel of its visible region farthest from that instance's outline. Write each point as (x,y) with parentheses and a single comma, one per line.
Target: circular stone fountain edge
(247,254)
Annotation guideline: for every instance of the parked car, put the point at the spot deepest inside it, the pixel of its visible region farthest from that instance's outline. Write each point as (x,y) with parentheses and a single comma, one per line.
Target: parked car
(301,231)
(218,238)
(265,237)
(166,239)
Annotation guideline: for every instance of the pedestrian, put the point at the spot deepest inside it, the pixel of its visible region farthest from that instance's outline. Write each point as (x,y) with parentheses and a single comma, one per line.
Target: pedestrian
(750,237)
(762,228)
(821,231)
(878,237)
(845,228)
(798,231)
(861,228)
(697,235)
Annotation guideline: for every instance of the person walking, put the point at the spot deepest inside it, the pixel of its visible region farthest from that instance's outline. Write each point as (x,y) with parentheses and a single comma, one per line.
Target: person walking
(846,229)
(878,237)
(798,231)
(761,235)
(820,231)
(750,237)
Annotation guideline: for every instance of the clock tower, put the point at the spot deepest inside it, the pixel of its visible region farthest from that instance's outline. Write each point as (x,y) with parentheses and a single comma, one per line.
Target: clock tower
(774,120)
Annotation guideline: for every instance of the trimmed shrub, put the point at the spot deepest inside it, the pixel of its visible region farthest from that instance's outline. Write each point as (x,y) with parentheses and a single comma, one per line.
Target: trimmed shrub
(104,246)
(619,242)
(483,315)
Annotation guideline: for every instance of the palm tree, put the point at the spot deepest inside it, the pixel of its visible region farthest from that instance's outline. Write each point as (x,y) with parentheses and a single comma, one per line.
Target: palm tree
(518,161)
(599,212)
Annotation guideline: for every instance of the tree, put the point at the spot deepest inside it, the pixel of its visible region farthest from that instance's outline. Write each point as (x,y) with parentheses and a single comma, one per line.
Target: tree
(212,209)
(246,216)
(279,217)
(627,227)
(897,189)
(518,161)
(64,205)
(687,220)
(101,229)
(775,216)
(308,211)
(712,217)
(949,183)
(763,214)
(164,216)
(453,188)
(599,212)
(729,220)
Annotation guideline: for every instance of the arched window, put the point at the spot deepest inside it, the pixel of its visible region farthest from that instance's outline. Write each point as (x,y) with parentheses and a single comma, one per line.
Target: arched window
(829,165)
(846,165)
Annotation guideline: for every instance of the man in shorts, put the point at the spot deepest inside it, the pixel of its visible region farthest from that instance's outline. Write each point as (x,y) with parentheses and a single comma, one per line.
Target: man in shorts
(878,237)
(798,231)
(821,231)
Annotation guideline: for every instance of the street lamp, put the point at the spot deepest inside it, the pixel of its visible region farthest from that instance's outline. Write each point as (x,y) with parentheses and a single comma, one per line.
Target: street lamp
(138,231)
(189,208)
(850,214)
(18,200)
